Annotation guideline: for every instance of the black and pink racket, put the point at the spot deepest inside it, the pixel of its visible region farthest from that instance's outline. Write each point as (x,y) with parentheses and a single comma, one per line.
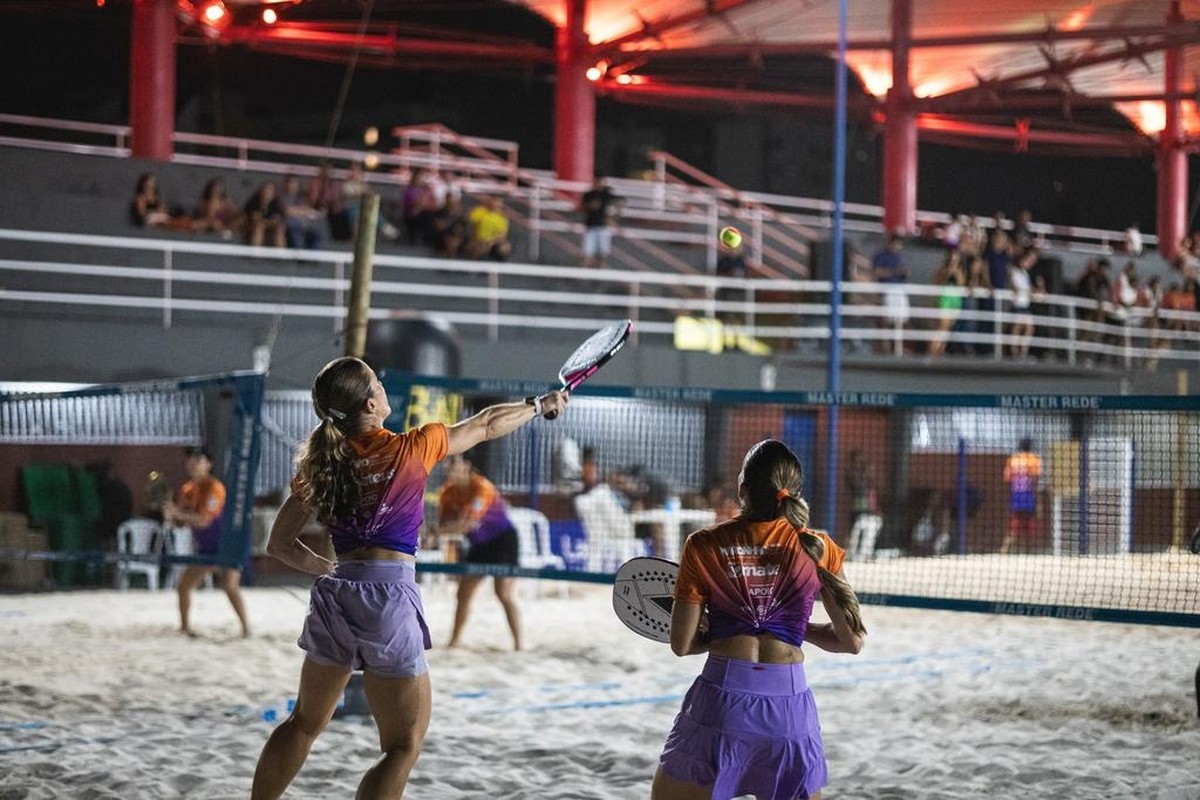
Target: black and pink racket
(592,355)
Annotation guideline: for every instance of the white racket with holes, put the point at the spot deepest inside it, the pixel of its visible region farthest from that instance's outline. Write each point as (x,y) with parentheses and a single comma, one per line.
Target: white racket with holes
(643,594)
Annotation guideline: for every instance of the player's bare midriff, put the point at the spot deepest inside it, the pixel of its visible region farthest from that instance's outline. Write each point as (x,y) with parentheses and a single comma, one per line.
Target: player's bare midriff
(375,554)
(764,649)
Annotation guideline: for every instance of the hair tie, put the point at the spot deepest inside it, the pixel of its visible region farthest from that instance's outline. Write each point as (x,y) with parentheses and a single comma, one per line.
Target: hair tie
(328,419)
(782,493)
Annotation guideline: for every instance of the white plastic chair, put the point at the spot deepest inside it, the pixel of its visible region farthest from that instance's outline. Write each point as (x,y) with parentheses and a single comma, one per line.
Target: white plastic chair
(610,535)
(178,541)
(533,532)
(139,537)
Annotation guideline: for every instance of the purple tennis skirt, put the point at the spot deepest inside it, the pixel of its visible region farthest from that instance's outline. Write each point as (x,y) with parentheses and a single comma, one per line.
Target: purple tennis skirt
(748,728)
(367,615)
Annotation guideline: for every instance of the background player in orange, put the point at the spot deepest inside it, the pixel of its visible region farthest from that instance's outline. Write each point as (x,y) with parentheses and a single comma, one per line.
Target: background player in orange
(470,506)
(1021,473)
(745,591)
(198,504)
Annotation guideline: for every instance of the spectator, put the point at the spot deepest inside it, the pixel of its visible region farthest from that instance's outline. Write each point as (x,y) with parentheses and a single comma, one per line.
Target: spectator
(950,274)
(998,256)
(304,224)
(349,196)
(1186,262)
(598,206)
(449,229)
(1133,240)
(444,188)
(887,266)
(731,263)
(489,231)
(216,212)
(420,207)
(1042,310)
(978,290)
(1180,298)
(322,194)
(1021,330)
(952,233)
(148,209)
(1022,234)
(264,217)
(973,238)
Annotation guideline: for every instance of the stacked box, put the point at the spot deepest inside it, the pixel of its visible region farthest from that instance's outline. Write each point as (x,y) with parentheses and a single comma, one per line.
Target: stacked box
(19,574)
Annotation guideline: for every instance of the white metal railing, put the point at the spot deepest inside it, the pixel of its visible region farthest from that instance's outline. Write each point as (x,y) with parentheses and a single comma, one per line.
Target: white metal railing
(681,213)
(494,296)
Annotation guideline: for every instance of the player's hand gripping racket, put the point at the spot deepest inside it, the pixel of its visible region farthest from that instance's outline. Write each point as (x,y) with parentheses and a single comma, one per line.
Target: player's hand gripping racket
(591,356)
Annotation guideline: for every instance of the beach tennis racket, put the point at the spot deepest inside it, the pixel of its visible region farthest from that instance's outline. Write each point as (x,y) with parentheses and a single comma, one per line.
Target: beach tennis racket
(592,355)
(643,595)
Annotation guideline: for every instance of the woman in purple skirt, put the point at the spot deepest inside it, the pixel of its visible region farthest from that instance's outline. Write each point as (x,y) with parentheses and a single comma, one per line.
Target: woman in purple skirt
(367,486)
(745,592)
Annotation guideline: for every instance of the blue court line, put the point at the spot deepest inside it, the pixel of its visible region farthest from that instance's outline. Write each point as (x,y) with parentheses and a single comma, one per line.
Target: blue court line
(849,665)
(661,698)
(26,726)
(817,684)
(472,694)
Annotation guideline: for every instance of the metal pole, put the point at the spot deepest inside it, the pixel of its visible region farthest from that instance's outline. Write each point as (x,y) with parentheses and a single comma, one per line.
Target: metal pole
(359,307)
(835,297)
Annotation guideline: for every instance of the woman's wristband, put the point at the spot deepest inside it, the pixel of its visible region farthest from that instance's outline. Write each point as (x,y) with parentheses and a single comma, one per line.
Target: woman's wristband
(536,402)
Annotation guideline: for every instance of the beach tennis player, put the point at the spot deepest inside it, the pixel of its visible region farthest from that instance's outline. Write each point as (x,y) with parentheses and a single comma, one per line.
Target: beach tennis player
(198,504)
(367,486)
(744,594)
(470,506)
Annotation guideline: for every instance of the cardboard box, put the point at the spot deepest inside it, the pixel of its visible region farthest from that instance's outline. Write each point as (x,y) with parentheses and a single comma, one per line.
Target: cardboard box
(17,573)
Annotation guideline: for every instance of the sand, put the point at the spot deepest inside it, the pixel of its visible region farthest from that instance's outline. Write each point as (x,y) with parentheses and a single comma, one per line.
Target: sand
(101,698)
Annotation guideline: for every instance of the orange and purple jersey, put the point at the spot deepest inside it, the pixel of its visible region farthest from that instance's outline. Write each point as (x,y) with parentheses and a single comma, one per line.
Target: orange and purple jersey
(479,503)
(754,577)
(206,497)
(392,470)
(1022,472)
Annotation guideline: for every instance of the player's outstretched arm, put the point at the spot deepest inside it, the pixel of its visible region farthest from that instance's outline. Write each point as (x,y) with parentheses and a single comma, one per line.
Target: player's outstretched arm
(284,542)
(500,420)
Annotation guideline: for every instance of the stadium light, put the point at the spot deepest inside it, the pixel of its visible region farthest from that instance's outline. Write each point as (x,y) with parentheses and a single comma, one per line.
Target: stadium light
(214,12)
(269,16)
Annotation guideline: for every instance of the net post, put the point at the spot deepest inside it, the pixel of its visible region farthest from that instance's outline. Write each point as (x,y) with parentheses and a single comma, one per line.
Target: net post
(359,309)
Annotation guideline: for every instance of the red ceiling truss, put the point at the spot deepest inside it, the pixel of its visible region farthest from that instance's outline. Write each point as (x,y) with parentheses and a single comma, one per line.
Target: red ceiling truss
(708,52)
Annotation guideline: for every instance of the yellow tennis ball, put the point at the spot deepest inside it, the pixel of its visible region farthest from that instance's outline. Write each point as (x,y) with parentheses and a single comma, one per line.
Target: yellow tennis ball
(730,237)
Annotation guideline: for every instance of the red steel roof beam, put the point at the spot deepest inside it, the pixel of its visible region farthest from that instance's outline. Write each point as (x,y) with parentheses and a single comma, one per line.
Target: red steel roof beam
(651,30)
(1186,33)
(308,38)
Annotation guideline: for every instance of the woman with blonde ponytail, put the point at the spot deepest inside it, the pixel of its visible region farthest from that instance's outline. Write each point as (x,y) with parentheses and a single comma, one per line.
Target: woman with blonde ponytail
(745,591)
(366,485)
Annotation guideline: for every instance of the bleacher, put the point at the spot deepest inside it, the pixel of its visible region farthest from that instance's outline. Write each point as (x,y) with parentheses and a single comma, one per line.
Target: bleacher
(64,216)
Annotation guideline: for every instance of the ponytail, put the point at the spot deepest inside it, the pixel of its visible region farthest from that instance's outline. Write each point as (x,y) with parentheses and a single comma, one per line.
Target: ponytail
(325,462)
(772,477)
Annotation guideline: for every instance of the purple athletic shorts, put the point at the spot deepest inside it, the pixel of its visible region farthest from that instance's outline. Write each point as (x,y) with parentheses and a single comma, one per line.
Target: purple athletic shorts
(367,615)
(748,728)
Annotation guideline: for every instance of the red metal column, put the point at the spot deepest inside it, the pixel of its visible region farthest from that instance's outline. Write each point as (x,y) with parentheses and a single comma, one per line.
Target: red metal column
(152,79)
(900,131)
(1172,160)
(574,100)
